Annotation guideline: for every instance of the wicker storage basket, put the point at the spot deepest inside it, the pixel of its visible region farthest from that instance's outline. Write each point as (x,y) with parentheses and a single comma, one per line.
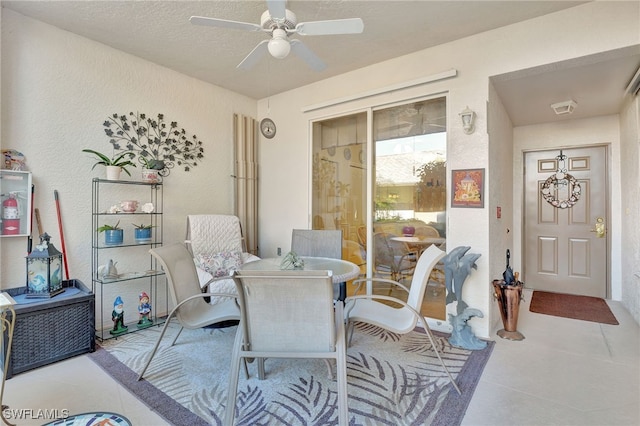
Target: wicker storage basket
(52,330)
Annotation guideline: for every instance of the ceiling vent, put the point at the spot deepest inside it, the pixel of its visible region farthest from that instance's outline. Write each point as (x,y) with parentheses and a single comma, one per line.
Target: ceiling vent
(565,107)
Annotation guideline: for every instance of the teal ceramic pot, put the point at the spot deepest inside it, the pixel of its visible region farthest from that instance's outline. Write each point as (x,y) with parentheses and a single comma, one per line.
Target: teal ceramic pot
(142,235)
(113,237)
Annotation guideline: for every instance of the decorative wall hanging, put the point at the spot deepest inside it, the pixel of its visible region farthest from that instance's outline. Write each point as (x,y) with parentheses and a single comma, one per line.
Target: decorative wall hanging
(159,145)
(561,189)
(467,188)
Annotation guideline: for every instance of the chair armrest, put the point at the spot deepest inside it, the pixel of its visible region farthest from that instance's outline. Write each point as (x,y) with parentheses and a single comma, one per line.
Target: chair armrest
(197,296)
(359,282)
(349,303)
(214,279)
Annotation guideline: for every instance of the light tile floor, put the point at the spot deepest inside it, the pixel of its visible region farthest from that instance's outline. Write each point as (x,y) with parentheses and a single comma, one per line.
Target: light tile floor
(565,372)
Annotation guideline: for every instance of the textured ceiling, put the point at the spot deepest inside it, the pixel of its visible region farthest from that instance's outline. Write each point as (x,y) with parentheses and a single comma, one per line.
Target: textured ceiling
(159,31)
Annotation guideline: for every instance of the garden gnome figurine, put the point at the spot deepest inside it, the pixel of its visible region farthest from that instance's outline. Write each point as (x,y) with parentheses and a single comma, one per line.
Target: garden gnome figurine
(117,316)
(144,311)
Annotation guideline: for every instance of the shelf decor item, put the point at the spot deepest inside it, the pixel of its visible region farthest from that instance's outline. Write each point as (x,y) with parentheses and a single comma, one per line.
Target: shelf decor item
(129,206)
(150,175)
(142,233)
(44,270)
(159,145)
(144,311)
(113,234)
(115,164)
(117,316)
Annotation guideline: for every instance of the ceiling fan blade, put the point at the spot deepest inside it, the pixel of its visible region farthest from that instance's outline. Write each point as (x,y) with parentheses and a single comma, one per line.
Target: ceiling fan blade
(256,54)
(277,9)
(224,23)
(307,55)
(337,26)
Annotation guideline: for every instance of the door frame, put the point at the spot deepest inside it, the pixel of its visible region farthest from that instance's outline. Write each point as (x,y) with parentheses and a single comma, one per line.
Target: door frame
(608,167)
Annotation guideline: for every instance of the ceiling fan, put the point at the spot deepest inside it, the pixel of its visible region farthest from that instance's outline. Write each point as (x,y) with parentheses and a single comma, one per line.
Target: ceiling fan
(279,22)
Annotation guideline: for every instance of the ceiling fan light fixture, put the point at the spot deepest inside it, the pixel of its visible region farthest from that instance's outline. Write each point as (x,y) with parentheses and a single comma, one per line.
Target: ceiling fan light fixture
(279,46)
(565,107)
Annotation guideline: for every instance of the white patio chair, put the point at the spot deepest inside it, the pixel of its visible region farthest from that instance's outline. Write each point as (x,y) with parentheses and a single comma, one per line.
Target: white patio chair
(190,308)
(318,243)
(288,314)
(403,319)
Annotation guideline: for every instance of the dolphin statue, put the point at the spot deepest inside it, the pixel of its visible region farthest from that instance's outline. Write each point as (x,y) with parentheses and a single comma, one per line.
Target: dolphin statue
(451,264)
(465,264)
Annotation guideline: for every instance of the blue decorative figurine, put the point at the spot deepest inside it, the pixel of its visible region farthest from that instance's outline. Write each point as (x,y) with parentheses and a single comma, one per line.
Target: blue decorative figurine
(144,311)
(117,316)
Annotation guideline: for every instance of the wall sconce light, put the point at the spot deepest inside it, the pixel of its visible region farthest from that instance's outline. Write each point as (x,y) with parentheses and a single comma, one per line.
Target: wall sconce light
(468,119)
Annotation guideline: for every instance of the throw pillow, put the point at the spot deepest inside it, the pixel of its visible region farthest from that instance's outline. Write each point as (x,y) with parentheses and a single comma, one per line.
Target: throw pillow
(220,264)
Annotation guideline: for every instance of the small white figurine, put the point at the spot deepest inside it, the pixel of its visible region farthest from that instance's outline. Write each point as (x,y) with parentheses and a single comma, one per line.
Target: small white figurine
(147,207)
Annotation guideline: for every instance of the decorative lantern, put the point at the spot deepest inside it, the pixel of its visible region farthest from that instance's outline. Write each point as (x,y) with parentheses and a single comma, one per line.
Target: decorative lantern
(44,270)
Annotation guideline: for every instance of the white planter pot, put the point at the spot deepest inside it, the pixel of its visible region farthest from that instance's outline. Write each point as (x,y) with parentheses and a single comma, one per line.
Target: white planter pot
(150,175)
(113,172)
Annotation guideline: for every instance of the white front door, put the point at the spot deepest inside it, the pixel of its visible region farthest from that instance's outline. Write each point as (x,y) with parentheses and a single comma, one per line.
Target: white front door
(562,251)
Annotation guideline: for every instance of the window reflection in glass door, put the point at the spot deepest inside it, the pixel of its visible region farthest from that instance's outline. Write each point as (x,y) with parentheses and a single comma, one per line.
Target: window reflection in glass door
(410,194)
(339,180)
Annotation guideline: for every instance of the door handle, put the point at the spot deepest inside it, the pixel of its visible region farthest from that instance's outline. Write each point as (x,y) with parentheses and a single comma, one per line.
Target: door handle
(600,228)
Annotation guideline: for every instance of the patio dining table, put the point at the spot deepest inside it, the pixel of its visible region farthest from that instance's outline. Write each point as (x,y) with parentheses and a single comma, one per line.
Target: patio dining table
(342,270)
(420,243)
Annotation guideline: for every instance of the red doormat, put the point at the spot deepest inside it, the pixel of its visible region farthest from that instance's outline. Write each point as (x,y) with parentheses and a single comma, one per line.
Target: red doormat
(584,308)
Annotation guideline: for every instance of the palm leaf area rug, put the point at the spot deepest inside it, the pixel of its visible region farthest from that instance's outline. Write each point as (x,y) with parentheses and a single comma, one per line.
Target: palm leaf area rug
(392,380)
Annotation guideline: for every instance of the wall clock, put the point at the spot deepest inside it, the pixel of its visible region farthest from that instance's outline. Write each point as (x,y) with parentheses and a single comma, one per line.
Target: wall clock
(268,128)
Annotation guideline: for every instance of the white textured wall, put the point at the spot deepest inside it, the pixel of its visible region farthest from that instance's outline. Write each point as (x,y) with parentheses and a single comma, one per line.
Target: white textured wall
(58,89)
(630,206)
(500,184)
(285,191)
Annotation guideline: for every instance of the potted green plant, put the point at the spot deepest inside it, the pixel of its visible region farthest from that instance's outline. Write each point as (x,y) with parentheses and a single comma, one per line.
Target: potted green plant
(142,233)
(113,234)
(151,169)
(159,145)
(114,164)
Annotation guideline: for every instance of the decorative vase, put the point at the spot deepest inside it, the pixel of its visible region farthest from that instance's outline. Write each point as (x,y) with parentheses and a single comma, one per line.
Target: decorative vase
(508,297)
(113,237)
(408,231)
(113,172)
(150,175)
(142,235)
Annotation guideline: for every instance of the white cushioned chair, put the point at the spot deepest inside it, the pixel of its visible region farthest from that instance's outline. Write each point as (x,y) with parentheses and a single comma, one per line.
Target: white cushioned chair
(190,308)
(215,241)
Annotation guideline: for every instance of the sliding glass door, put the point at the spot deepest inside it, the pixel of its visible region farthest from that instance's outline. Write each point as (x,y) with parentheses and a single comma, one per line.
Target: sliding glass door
(408,201)
(409,193)
(339,180)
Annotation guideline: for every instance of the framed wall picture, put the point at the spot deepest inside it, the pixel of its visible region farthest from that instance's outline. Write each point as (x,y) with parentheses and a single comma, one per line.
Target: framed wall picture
(467,188)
